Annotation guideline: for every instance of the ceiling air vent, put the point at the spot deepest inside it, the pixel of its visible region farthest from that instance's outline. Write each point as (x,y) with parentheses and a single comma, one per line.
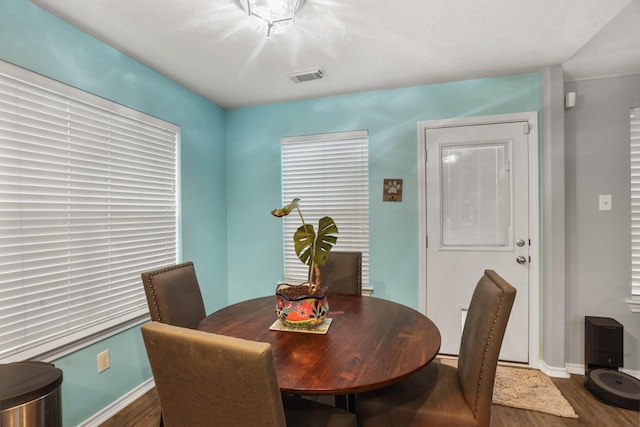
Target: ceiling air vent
(308,75)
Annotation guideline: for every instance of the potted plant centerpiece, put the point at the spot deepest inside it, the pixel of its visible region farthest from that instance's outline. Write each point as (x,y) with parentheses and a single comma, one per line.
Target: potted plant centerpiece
(305,306)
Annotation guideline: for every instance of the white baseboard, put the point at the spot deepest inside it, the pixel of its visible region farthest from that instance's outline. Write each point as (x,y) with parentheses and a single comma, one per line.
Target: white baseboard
(575,368)
(553,371)
(635,374)
(118,405)
(579,369)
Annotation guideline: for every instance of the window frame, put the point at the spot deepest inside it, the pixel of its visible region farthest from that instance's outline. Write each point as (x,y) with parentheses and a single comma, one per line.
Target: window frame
(634,141)
(72,339)
(313,199)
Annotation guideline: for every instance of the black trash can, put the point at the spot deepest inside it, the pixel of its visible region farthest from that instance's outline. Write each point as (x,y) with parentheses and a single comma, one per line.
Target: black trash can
(30,395)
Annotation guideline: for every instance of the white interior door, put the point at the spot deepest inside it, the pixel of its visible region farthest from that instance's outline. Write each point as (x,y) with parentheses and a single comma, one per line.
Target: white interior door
(477,205)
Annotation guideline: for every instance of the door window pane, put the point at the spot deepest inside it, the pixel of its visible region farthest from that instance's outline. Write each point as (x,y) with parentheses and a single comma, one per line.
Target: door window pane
(475,188)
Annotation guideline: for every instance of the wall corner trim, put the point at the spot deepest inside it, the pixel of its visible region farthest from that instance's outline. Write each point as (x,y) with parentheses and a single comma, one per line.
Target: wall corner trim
(553,371)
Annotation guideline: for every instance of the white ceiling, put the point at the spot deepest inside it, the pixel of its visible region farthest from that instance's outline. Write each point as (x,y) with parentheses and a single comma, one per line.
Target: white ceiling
(209,47)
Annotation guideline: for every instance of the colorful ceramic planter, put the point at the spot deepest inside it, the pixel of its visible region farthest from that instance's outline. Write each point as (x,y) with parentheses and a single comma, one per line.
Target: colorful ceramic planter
(297,309)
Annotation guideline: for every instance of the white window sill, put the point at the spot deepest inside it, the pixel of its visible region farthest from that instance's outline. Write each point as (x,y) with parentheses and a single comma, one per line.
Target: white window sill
(54,350)
(634,304)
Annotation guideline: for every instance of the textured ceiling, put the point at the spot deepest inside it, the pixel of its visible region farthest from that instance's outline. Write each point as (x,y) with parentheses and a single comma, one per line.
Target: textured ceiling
(209,46)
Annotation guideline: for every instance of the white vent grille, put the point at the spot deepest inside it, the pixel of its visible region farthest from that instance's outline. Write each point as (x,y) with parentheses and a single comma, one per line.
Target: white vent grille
(308,75)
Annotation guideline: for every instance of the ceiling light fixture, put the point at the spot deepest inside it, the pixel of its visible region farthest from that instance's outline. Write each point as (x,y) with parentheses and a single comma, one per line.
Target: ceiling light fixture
(271,16)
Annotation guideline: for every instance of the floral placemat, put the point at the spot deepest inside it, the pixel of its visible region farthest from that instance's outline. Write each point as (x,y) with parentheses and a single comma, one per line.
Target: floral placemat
(322,328)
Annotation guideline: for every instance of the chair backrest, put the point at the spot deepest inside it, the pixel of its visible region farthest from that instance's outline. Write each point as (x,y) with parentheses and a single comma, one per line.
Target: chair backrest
(205,379)
(174,296)
(481,341)
(342,273)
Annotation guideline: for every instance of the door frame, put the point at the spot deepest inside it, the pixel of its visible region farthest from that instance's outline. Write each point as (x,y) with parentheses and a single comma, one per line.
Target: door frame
(535,264)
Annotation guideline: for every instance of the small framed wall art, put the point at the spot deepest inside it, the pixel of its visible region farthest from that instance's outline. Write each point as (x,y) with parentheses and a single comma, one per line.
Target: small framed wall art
(392,191)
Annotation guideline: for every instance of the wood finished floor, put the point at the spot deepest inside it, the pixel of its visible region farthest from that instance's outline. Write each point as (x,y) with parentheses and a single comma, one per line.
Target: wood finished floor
(145,412)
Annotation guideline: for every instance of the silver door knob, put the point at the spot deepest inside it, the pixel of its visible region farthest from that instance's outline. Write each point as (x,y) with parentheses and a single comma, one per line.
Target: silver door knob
(520,242)
(521,259)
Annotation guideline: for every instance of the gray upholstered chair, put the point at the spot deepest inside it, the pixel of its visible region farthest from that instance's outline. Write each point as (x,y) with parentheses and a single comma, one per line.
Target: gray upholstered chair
(174,296)
(441,395)
(205,379)
(342,273)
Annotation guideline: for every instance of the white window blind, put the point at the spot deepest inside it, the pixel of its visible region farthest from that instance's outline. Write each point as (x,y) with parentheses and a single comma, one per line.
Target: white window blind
(88,201)
(635,201)
(330,175)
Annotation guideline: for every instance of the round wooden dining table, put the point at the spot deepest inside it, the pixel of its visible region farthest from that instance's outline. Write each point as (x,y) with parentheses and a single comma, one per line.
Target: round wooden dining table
(370,343)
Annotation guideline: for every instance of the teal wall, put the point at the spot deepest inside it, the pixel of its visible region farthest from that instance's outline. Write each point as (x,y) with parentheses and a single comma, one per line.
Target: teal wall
(391,116)
(231,175)
(38,41)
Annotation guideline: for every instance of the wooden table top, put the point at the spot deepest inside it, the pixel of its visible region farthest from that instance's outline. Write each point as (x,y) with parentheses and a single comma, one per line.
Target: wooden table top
(371,343)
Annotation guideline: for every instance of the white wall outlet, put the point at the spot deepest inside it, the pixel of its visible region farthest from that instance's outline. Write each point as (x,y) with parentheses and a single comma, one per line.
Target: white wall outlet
(604,202)
(103,361)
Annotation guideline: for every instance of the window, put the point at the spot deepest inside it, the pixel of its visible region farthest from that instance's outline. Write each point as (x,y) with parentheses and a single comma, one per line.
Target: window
(330,175)
(88,201)
(634,303)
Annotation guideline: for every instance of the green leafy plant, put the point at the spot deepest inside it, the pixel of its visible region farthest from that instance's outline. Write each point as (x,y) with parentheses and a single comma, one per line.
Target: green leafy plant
(312,248)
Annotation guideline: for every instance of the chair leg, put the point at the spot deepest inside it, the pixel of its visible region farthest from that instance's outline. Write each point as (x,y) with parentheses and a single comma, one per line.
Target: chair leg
(342,401)
(346,401)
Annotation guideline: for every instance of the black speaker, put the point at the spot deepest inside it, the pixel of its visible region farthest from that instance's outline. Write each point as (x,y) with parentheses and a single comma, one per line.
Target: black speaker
(603,338)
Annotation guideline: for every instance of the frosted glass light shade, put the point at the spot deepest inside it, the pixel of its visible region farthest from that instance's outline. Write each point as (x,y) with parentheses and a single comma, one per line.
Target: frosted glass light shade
(271,16)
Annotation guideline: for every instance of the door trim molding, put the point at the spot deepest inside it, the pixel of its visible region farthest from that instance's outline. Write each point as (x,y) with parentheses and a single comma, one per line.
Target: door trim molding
(535,270)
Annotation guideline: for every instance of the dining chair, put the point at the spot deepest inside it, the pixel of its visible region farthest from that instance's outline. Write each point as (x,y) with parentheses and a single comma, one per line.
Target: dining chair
(443,395)
(173,295)
(205,379)
(342,273)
